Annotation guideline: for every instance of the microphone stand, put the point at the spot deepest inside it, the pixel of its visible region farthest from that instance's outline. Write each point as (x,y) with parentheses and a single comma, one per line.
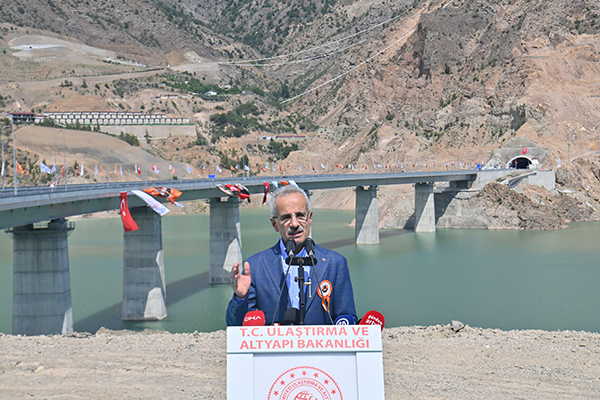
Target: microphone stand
(309,245)
(290,246)
(300,262)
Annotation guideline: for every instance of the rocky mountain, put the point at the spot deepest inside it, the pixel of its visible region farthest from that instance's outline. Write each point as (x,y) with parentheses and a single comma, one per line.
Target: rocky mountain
(425,84)
(146,31)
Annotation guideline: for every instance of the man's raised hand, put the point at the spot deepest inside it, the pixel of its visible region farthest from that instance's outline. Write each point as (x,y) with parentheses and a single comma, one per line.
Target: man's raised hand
(240,283)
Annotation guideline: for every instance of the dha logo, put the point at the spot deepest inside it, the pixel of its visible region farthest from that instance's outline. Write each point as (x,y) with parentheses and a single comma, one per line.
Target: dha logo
(305,383)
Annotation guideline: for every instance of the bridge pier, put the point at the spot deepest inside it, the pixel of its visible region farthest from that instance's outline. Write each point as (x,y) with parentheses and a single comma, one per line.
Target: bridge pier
(144,288)
(424,207)
(225,238)
(366,219)
(41,282)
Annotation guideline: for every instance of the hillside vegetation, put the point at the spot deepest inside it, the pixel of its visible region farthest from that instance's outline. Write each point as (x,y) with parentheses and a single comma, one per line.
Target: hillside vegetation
(420,83)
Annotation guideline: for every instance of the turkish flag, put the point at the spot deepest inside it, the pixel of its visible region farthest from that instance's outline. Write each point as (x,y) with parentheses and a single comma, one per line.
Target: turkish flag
(266,190)
(128,222)
(524,150)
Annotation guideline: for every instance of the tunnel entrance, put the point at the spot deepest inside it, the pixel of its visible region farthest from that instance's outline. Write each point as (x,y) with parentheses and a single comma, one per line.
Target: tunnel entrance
(520,163)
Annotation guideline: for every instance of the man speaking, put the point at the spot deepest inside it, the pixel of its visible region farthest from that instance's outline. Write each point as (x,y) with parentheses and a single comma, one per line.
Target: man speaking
(262,283)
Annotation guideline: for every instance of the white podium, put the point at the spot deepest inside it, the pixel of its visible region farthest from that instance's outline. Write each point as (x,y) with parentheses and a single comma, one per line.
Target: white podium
(329,362)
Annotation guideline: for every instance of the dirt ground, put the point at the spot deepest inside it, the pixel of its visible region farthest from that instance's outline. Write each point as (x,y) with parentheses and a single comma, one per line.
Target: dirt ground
(419,363)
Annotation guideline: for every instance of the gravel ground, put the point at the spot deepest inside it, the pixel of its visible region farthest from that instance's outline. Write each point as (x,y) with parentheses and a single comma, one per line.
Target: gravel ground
(419,363)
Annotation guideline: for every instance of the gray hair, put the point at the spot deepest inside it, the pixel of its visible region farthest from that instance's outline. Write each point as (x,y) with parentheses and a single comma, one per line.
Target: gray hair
(284,191)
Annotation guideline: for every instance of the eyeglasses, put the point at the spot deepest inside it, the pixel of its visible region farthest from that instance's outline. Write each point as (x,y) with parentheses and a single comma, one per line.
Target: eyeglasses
(286,219)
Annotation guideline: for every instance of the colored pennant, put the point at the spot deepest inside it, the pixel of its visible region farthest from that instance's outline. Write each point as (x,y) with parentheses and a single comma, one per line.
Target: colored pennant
(165,192)
(151,202)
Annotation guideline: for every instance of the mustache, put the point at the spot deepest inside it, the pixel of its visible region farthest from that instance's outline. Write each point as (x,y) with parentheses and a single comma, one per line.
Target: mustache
(292,230)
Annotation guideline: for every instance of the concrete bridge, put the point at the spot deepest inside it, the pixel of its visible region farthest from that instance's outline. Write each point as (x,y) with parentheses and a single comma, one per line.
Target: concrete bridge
(42,297)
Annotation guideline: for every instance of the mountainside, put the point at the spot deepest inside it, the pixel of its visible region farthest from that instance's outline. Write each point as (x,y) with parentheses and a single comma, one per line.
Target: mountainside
(423,84)
(145,30)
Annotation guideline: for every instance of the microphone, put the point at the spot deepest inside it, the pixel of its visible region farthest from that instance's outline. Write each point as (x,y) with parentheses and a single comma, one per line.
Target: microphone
(309,245)
(345,319)
(373,318)
(254,318)
(291,316)
(290,247)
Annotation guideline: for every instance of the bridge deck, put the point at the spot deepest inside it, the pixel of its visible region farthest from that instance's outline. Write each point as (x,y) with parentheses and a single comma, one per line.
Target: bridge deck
(34,204)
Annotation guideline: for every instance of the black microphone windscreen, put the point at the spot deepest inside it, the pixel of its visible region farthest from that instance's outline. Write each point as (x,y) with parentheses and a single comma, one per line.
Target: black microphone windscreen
(309,245)
(291,316)
(290,246)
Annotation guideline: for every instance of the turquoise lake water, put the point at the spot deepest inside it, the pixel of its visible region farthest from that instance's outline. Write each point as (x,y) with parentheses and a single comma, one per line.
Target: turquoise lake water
(497,279)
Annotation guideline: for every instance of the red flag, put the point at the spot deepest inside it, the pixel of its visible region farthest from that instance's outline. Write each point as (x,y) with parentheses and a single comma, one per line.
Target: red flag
(266,189)
(524,150)
(244,192)
(139,171)
(128,222)
(234,189)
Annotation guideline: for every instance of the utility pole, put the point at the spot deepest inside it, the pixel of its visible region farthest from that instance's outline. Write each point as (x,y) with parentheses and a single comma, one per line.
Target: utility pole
(144,159)
(55,169)
(65,159)
(12,123)
(106,157)
(273,163)
(3,168)
(212,152)
(180,166)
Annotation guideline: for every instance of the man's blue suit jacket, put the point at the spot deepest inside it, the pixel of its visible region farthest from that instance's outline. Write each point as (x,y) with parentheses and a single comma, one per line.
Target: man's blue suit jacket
(267,276)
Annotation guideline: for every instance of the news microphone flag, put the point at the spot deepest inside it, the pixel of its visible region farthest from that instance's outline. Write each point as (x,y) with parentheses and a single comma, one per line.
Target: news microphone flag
(345,319)
(254,318)
(373,318)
